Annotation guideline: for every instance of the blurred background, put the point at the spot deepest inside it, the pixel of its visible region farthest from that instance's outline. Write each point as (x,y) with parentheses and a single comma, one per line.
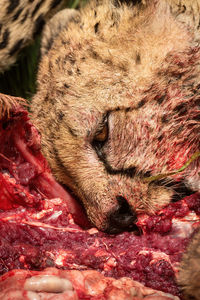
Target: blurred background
(20,79)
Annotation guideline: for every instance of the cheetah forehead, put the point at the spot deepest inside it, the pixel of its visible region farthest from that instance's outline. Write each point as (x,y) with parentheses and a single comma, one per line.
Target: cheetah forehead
(124,38)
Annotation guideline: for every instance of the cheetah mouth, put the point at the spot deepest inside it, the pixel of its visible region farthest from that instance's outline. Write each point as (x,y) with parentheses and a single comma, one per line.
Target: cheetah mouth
(181,191)
(179,188)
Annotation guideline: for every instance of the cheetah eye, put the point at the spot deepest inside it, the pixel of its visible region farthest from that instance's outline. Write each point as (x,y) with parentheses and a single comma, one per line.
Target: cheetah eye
(102,135)
(102,132)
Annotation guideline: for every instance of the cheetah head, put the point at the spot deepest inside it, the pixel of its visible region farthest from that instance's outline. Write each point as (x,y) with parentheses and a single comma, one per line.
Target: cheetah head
(117,102)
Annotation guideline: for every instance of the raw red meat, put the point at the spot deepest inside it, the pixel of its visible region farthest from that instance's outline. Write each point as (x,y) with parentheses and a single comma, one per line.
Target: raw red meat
(36,239)
(25,178)
(38,224)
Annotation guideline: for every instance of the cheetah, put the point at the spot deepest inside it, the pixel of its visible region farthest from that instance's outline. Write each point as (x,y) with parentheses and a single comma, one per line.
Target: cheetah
(118,103)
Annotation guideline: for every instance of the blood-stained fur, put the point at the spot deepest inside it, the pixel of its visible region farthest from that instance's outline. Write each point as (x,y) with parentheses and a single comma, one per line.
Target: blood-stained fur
(118,101)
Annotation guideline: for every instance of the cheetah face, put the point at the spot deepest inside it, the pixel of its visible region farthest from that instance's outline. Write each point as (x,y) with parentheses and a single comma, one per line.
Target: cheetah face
(116,103)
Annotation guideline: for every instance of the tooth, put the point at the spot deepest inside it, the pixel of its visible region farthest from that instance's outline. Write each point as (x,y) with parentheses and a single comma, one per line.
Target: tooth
(47,283)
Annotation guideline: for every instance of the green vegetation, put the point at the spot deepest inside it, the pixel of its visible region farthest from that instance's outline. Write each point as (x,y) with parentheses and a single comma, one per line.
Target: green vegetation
(20,79)
(76,3)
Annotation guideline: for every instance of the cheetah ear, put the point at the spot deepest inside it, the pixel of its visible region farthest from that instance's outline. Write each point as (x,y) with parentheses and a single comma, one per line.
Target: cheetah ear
(55,25)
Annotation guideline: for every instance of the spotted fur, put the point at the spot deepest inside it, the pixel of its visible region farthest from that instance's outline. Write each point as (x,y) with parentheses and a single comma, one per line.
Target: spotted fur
(20,21)
(144,77)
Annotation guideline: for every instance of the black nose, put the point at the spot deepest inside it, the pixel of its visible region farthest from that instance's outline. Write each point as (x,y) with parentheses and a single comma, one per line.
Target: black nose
(122,219)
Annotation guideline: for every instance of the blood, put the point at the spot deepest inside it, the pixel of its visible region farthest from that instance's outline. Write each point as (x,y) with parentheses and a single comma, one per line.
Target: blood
(25,177)
(42,225)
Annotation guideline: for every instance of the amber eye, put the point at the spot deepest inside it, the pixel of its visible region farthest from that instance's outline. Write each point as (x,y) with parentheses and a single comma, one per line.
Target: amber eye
(102,134)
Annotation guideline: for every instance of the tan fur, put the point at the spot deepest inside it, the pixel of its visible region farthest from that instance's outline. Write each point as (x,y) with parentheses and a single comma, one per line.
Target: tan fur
(55,25)
(9,103)
(134,56)
(189,277)
(18,25)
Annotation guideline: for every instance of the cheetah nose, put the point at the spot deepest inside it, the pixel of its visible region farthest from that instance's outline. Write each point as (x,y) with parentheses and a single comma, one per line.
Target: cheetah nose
(122,219)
